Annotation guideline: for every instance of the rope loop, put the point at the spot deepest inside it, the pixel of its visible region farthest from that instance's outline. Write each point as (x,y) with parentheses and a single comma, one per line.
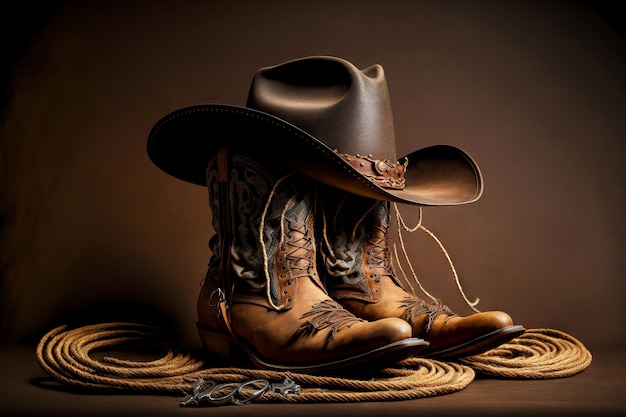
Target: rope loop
(68,355)
(402,225)
(537,354)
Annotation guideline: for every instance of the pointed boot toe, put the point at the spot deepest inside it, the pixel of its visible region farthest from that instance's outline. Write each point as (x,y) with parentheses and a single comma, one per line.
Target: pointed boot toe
(454,336)
(382,342)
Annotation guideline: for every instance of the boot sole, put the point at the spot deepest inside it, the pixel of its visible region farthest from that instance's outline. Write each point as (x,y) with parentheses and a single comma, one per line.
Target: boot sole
(478,345)
(225,346)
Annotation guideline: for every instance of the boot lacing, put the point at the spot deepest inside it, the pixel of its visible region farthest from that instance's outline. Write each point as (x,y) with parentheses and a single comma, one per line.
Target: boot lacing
(262,242)
(323,314)
(378,249)
(300,254)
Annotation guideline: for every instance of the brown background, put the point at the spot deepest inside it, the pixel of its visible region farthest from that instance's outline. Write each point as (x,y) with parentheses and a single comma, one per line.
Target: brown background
(534,91)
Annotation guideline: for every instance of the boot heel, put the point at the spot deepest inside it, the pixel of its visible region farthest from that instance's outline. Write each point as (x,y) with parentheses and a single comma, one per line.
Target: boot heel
(219,343)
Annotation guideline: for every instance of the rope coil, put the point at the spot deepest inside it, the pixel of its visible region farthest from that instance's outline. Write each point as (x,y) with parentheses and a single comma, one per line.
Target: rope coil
(537,354)
(68,356)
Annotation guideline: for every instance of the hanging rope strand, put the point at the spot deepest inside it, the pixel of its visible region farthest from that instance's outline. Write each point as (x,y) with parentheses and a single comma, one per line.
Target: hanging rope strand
(402,224)
(262,240)
(471,304)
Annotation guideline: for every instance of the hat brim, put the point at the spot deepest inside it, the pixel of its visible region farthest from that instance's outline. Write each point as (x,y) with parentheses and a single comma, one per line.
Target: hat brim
(182,142)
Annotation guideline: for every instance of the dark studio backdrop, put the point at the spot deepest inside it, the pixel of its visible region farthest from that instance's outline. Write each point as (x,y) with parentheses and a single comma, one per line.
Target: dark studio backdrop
(534,91)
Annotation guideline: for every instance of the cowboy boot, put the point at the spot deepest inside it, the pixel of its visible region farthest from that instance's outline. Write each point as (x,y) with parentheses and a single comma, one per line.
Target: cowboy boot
(360,276)
(262,293)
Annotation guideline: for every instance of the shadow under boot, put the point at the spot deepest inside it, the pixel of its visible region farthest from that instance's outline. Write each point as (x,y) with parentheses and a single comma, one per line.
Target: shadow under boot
(262,293)
(359,275)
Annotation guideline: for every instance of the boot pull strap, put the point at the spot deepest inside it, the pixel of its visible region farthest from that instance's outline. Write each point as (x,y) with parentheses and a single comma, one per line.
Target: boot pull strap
(224,276)
(222,178)
(222,166)
(226,317)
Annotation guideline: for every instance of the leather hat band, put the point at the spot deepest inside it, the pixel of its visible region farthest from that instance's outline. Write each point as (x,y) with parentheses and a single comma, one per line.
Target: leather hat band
(383,173)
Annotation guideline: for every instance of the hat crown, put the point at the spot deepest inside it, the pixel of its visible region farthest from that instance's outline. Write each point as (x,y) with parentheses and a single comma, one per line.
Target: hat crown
(329,98)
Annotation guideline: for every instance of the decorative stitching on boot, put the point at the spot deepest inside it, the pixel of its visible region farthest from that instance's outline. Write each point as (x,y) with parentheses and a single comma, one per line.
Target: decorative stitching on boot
(416,307)
(324,314)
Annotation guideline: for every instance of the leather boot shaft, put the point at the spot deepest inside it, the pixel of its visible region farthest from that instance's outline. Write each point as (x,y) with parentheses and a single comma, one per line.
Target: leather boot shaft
(263,276)
(263,264)
(355,252)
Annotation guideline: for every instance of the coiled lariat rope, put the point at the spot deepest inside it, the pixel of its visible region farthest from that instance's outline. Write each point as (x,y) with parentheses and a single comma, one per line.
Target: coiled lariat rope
(68,355)
(537,354)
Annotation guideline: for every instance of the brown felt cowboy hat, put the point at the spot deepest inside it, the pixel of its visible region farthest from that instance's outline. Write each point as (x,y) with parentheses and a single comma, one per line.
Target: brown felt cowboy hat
(326,119)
